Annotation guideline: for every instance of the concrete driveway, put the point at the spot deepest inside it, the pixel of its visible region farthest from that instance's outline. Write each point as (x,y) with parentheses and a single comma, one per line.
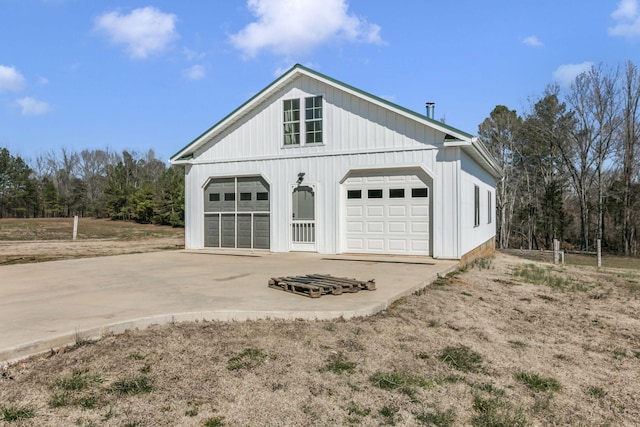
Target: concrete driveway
(51,304)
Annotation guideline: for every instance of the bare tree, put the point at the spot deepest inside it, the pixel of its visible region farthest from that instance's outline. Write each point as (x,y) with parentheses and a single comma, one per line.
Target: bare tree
(629,134)
(499,132)
(592,99)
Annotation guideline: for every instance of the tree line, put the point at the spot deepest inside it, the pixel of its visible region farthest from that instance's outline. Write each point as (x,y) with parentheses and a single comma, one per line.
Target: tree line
(97,183)
(570,164)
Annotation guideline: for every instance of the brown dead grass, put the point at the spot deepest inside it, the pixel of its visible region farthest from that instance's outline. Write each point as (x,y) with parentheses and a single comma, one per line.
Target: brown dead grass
(37,240)
(400,367)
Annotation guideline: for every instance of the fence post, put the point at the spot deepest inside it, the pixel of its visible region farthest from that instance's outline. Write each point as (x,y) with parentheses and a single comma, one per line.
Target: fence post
(556,251)
(599,245)
(75,227)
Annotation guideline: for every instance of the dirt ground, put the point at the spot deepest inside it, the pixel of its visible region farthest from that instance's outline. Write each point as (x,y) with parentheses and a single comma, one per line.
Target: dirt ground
(508,342)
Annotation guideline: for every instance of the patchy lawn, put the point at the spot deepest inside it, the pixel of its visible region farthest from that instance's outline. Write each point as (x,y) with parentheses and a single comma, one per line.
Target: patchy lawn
(36,240)
(509,342)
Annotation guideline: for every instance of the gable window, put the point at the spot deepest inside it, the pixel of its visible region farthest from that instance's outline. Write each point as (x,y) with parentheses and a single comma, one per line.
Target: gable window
(476,206)
(291,121)
(489,199)
(313,119)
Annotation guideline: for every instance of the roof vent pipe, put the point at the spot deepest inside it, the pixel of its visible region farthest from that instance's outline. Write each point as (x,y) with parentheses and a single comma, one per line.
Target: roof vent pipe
(430,109)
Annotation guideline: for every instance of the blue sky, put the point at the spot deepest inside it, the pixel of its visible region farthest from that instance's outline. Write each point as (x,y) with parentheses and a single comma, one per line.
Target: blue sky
(154,74)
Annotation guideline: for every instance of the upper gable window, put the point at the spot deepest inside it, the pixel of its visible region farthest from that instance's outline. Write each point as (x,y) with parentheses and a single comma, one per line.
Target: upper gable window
(291,121)
(294,126)
(313,119)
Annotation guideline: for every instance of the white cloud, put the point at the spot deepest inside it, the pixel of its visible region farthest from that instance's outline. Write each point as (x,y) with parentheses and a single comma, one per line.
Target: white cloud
(627,19)
(289,27)
(33,107)
(43,81)
(195,72)
(10,79)
(144,31)
(565,74)
(532,41)
(192,55)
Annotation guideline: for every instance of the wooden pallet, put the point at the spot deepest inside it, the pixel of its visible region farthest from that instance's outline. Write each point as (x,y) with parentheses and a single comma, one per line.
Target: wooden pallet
(316,285)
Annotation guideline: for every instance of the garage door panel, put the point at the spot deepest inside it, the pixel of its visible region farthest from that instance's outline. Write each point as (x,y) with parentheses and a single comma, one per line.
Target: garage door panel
(397,178)
(374,179)
(419,227)
(419,210)
(261,235)
(397,227)
(355,244)
(391,219)
(375,244)
(419,245)
(355,211)
(397,211)
(398,245)
(355,227)
(375,211)
(375,227)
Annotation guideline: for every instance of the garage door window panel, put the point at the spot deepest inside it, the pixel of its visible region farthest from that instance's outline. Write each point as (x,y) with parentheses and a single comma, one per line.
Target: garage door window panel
(396,193)
(354,194)
(419,192)
(374,194)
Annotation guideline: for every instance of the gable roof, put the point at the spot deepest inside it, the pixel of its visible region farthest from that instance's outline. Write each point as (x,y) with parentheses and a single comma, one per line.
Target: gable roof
(453,136)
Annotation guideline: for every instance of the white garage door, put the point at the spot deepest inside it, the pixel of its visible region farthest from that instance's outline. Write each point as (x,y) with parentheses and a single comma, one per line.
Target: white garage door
(386,213)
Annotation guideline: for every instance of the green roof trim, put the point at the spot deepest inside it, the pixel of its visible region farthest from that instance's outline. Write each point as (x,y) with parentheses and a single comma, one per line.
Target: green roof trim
(334,81)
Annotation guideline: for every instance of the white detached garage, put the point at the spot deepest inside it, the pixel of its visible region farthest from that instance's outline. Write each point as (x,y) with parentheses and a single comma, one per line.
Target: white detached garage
(313,164)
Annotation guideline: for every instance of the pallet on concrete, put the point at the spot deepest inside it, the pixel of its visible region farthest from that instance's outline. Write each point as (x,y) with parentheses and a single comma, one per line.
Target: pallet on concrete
(316,285)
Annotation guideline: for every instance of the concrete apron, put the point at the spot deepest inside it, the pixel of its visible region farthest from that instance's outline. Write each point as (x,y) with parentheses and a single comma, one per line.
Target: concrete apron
(53,304)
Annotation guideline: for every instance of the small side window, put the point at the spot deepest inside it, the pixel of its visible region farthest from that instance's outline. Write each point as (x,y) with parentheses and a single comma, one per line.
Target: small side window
(262,195)
(229,197)
(396,193)
(420,192)
(354,194)
(245,196)
(374,194)
(214,197)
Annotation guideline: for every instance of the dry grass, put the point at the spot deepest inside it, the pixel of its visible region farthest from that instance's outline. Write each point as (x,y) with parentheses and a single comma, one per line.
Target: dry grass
(36,240)
(486,348)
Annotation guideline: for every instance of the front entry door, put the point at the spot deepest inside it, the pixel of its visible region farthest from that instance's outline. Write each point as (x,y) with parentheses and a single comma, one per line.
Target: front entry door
(303,218)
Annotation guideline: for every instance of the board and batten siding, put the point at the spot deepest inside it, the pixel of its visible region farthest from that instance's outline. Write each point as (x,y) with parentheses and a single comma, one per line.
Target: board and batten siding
(350,124)
(327,173)
(471,174)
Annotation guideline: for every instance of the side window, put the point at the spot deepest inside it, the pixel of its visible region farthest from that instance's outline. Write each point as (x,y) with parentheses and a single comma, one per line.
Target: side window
(291,121)
(313,120)
(476,206)
(489,207)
